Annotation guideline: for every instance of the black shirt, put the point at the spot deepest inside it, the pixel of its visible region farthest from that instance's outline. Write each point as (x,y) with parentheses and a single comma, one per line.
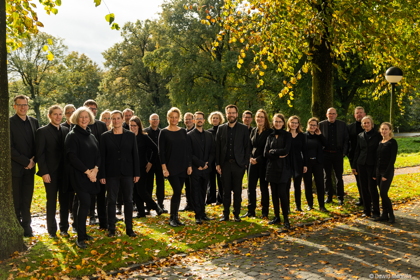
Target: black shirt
(231,143)
(332,137)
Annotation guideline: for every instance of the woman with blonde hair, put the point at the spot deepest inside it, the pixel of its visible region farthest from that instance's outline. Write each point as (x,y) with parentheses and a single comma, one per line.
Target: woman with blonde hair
(106,118)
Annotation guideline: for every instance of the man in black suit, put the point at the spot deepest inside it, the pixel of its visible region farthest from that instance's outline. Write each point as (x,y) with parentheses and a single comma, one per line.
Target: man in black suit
(337,146)
(232,158)
(247,119)
(127,113)
(203,152)
(49,141)
(97,129)
(354,130)
(189,126)
(68,111)
(154,168)
(22,141)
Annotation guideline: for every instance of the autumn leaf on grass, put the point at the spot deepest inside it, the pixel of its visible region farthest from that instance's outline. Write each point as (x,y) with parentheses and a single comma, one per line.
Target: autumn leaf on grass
(323,262)
(394,260)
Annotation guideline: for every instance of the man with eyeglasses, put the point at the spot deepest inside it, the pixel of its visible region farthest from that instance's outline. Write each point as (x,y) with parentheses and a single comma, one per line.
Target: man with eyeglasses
(189,126)
(68,111)
(22,141)
(127,113)
(154,168)
(247,119)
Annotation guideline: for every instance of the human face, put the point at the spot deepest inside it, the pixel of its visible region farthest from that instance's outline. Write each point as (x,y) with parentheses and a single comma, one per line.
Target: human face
(56,117)
(312,126)
(385,131)
(21,107)
(278,123)
(247,119)
(94,109)
(189,120)
(260,119)
(367,125)
(116,120)
(106,118)
(134,127)
(359,114)
(69,112)
(173,119)
(215,120)
(294,124)
(83,120)
(154,121)
(199,120)
(127,116)
(231,115)
(331,115)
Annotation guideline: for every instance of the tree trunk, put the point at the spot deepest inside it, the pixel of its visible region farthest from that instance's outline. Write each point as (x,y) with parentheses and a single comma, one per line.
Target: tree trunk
(11,233)
(322,81)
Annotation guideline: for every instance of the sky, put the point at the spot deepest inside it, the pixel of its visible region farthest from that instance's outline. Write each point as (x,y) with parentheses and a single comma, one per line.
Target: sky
(84,28)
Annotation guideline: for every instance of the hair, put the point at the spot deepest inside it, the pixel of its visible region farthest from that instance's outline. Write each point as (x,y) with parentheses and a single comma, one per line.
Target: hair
(174,110)
(90,102)
(21,96)
(52,108)
(391,129)
(247,112)
(281,116)
(313,119)
(371,120)
(113,113)
(67,107)
(189,113)
(150,117)
(266,120)
(231,106)
(76,114)
(103,113)
(359,108)
(139,123)
(221,117)
(199,113)
(294,117)
(127,110)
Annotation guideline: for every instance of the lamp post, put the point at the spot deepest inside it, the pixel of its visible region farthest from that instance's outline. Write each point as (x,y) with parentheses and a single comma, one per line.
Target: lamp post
(393,75)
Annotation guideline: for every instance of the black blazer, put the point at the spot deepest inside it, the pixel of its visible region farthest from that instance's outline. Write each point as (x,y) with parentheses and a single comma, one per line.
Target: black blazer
(119,158)
(354,130)
(200,154)
(342,134)
(258,144)
(21,151)
(278,169)
(147,149)
(97,129)
(242,144)
(154,156)
(50,149)
(366,148)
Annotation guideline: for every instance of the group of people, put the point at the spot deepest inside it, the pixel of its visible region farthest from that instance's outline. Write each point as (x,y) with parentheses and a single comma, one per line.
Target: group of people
(85,161)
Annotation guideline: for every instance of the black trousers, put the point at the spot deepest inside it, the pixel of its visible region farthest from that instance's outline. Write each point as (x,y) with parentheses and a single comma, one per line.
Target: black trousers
(316,169)
(83,205)
(280,196)
(334,161)
(99,200)
(188,192)
(156,171)
(257,172)
(113,186)
(369,189)
(142,196)
(177,182)
(297,182)
(199,181)
(383,190)
(359,188)
(214,188)
(23,190)
(52,190)
(232,175)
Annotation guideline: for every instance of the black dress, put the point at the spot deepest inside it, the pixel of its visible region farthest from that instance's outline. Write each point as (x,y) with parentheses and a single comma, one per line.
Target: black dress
(298,159)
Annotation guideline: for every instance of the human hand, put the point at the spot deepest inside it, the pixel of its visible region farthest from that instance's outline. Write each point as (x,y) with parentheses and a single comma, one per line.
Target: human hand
(46,178)
(136,179)
(218,169)
(148,167)
(189,170)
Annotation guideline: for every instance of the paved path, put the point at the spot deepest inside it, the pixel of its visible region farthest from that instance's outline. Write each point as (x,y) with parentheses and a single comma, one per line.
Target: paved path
(353,248)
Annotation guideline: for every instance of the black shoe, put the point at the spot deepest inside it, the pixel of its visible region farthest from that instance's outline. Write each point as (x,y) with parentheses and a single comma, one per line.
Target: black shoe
(375,216)
(179,222)
(381,218)
(328,200)
(119,219)
(248,214)
(64,233)
(264,216)
(206,218)
(173,223)
(274,221)
(89,238)
(103,227)
(323,209)
(219,203)
(298,209)
(391,218)
(237,219)
(187,208)
(140,215)
(147,212)
(92,221)
(111,233)
(119,212)
(198,221)
(365,215)
(131,234)
(224,219)
(81,244)
(287,225)
(159,211)
(359,203)
(340,202)
(309,208)
(28,234)
(53,235)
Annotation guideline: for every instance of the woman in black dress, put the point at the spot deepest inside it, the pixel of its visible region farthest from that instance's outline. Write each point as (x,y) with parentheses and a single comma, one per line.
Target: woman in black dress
(365,160)
(215,182)
(315,142)
(146,147)
(386,156)
(257,166)
(174,154)
(297,157)
(84,159)
(278,171)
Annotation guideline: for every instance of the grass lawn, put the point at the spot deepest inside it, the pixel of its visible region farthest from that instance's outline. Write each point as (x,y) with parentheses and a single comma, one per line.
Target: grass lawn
(49,258)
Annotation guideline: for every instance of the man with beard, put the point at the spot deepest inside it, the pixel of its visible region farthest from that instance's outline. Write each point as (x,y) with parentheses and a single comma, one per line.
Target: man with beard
(128,113)
(202,152)
(232,158)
